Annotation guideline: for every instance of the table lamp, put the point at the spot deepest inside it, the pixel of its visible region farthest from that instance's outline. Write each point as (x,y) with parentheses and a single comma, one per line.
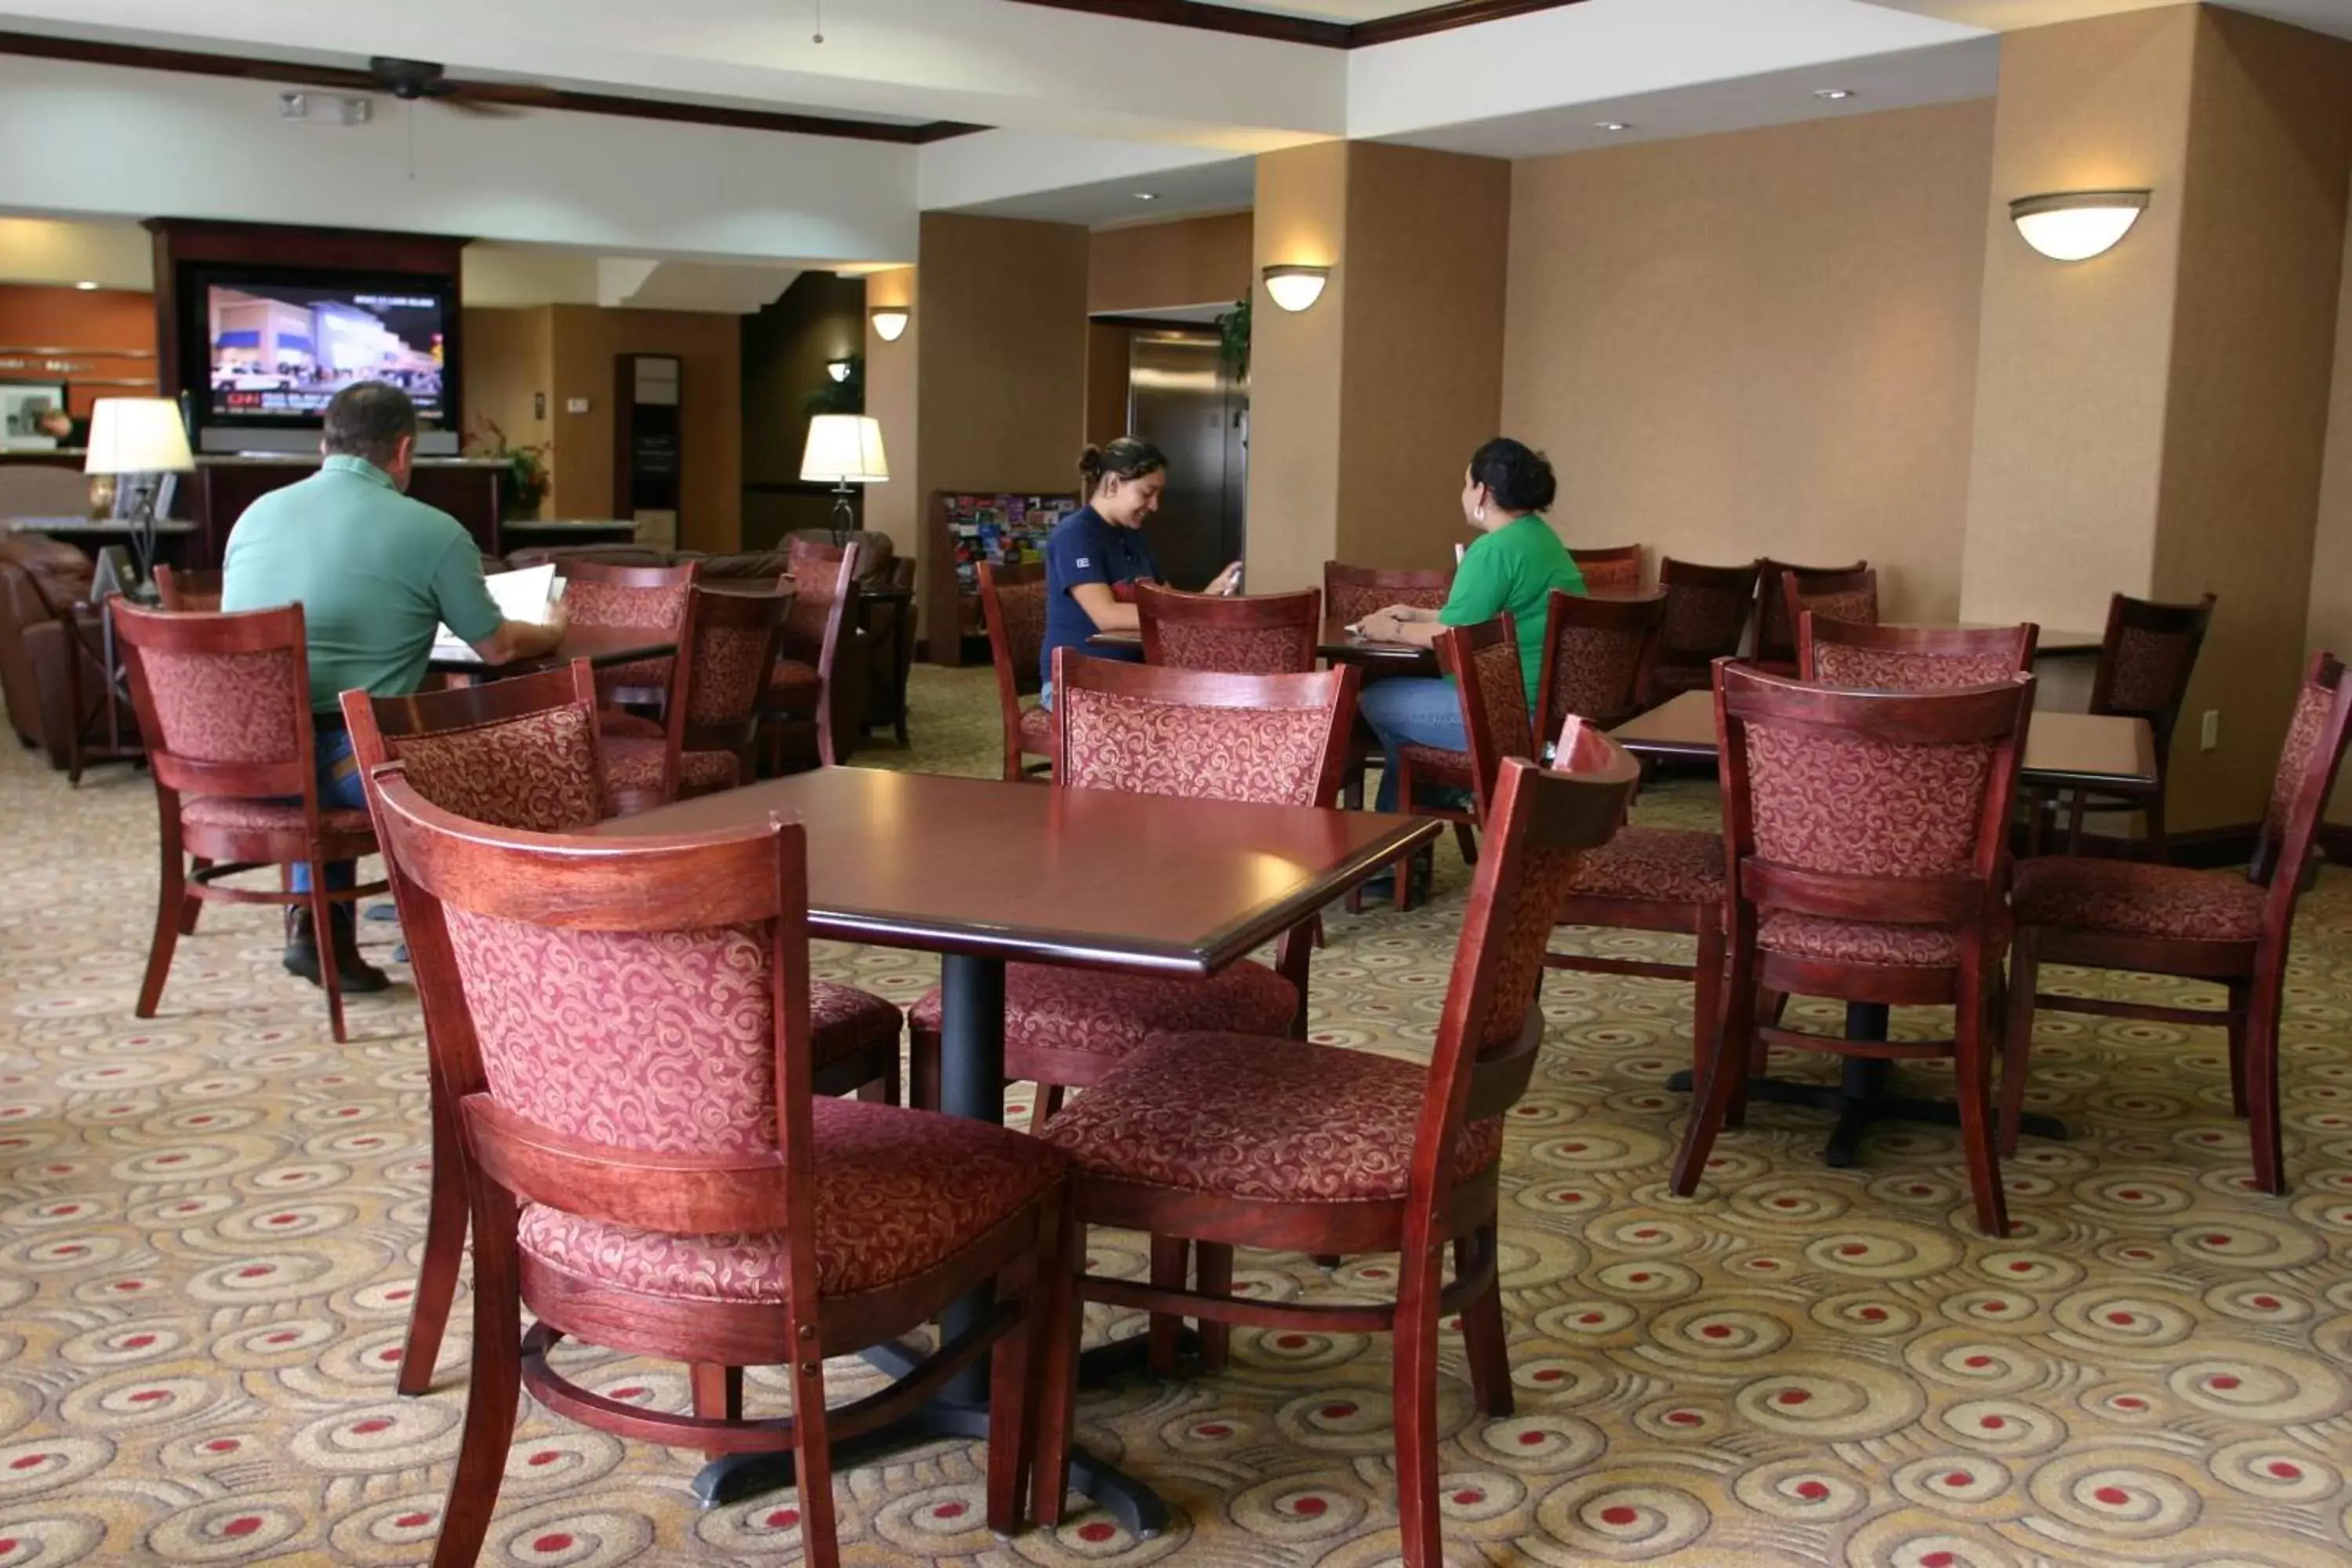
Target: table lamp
(845,449)
(139,436)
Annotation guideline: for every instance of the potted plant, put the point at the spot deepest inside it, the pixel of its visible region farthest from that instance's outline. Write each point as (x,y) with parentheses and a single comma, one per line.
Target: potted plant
(527,470)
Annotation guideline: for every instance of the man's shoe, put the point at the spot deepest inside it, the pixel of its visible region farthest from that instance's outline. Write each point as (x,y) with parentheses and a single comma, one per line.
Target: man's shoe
(353,975)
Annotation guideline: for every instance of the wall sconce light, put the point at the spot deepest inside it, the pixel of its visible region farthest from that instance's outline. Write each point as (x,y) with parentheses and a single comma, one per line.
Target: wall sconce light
(1296,288)
(890,321)
(2074,226)
(837,368)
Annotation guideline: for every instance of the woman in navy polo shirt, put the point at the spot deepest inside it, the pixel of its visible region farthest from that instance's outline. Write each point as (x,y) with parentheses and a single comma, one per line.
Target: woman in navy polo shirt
(1099,549)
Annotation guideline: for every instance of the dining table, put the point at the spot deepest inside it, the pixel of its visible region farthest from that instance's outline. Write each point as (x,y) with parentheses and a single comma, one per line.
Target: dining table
(1335,643)
(986,873)
(2062,751)
(600,646)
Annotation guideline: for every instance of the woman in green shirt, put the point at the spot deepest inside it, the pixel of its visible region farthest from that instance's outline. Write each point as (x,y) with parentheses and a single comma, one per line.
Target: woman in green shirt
(1514,565)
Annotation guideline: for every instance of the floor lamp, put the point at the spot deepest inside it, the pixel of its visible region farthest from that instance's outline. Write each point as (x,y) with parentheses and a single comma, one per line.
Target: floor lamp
(139,436)
(844,449)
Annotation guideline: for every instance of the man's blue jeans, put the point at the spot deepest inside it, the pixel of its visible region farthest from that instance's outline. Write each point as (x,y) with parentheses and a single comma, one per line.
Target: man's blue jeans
(339,784)
(1410,711)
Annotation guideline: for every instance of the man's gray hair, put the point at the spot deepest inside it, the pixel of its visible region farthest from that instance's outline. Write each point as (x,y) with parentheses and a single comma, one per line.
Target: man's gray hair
(367,420)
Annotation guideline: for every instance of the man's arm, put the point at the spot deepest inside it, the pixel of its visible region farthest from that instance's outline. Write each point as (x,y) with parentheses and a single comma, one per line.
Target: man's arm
(467,609)
(520,639)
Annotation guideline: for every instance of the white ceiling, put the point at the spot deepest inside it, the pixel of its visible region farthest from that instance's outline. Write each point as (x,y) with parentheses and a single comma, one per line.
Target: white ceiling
(1195,191)
(1330,10)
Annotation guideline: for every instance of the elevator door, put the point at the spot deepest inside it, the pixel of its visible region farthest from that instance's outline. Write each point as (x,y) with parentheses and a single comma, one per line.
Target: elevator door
(1180,398)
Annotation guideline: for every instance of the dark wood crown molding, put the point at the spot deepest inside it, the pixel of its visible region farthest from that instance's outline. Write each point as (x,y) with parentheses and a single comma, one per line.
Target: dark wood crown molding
(1216,18)
(513,95)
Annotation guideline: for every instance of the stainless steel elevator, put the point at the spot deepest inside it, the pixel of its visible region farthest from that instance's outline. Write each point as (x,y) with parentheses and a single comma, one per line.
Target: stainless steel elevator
(1182,398)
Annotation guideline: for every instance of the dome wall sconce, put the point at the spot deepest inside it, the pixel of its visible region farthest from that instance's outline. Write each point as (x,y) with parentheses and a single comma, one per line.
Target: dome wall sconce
(890,321)
(2074,226)
(838,368)
(1295,288)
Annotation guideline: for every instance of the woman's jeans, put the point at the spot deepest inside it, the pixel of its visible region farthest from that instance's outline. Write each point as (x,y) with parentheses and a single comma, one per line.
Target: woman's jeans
(1410,711)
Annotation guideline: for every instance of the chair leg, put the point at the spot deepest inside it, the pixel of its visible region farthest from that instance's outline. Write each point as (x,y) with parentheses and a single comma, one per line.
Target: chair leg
(1172,1260)
(718,1395)
(322,918)
(813,1464)
(444,1250)
(923,1069)
(1056,1391)
(1483,1334)
(1972,1076)
(1009,1439)
(170,909)
(1722,1081)
(2262,1131)
(1048,1105)
(494,1386)
(1467,842)
(2074,808)
(2159,846)
(2242,1002)
(1414,1392)
(1214,1271)
(191,907)
(1706,1007)
(2017,1034)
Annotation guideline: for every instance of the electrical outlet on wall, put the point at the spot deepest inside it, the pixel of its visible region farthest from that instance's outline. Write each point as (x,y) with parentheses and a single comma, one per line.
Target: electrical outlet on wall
(2209,732)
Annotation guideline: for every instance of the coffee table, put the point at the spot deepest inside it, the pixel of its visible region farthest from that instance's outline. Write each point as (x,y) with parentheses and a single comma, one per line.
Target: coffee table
(985,873)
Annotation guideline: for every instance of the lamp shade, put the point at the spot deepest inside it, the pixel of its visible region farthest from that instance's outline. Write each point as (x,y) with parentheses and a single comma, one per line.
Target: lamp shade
(844,448)
(137,436)
(890,321)
(2074,226)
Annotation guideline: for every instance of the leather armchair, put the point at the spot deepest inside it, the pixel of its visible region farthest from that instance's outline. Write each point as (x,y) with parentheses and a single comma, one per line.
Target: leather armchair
(41,581)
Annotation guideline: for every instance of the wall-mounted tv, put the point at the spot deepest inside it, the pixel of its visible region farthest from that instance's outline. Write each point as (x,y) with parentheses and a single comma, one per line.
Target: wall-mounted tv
(273,346)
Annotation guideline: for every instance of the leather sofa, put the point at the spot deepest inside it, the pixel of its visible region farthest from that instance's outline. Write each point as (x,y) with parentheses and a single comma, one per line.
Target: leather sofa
(41,581)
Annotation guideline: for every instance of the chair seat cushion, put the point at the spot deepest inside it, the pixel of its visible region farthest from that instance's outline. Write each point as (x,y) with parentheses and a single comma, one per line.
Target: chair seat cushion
(791,675)
(1078,1010)
(844,1021)
(1279,1121)
(1857,941)
(1669,865)
(1433,765)
(632,763)
(637,672)
(1037,731)
(2132,898)
(897,1192)
(242,816)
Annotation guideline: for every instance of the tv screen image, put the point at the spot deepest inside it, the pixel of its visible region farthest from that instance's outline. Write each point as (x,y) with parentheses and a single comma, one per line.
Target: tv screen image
(278,351)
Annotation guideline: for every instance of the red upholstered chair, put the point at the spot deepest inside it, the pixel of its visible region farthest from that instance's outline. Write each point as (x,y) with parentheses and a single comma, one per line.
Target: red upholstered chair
(1203,735)
(524,753)
(2228,930)
(727,645)
(225,704)
(1612,571)
(1351,593)
(1491,685)
(1707,609)
(1228,1141)
(825,604)
(1849,596)
(1776,623)
(596,593)
(2145,664)
(1855,656)
(1260,634)
(1598,656)
(178,589)
(625,1029)
(1866,836)
(1012,604)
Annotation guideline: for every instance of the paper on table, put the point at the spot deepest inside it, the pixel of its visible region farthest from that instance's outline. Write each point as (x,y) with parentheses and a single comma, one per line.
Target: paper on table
(522,596)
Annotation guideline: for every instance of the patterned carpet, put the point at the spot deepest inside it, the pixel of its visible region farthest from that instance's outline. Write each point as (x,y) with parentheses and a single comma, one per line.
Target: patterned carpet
(208,1223)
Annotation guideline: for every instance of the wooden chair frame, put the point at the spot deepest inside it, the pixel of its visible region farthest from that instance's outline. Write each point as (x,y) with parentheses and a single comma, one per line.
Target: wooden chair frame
(1972,905)
(221,852)
(1533,810)
(684,575)
(2253,974)
(1300,614)
(1608,561)
(2018,642)
(1345,586)
(1015,678)
(686,881)
(2150,618)
(1642,617)
(1798,592)
(1689,667)
(1775,621)
(738,735)
(1457,648)
(841,614)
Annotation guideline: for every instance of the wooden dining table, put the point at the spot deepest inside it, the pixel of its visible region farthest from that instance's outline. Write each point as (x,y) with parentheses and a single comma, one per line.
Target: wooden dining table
(986,873)
(2062,750)
(600,646)
(1335,644)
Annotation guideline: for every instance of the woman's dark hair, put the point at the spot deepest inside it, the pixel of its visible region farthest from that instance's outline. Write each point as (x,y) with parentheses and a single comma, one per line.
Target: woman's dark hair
(1125,458)
(1518,477)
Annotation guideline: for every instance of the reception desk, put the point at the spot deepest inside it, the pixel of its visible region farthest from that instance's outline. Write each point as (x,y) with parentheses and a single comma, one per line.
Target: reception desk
(218,493)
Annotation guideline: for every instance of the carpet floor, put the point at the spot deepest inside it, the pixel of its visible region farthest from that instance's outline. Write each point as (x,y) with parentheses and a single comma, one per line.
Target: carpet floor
(209,1223)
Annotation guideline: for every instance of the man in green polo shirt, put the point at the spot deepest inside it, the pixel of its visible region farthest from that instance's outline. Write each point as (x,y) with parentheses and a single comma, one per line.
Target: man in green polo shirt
(375,573)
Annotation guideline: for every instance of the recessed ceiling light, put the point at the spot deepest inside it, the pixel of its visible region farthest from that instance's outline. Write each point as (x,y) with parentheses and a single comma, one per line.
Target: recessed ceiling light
(85,285)
(1611,125)
(1147,196)
(1833,94)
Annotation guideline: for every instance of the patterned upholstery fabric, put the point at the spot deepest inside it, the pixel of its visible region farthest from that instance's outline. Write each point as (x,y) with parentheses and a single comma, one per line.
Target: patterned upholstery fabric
(538,772)
(1052,1009)
(1702,620)
(1243,650)
(816,582)
(1519,931)
(1865,808)
(268,817)
(727,680)
(1503,688)
(634,763)
(2135,898)
(791,677)
(897,1192)
(227,708)
(2151,671)
(1274,756)
(1612,576)
(843,1021)
(1857,941)
(596,603)
(1858,606)
(2303,733)
(1278,1120)
(637,672)
(1022,607)
(1594,673)
(1349,603)
(1671,864)
(1433,765)
(1894,669)
(1037,731)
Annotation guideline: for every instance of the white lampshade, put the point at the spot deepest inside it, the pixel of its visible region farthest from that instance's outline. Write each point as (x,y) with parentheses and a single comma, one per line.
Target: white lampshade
(1296,288)
(137,436)
(2074,226)
(844,448)
(890,321)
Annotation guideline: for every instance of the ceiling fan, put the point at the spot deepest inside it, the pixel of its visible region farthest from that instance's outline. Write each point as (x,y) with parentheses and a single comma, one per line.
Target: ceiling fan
(412,81)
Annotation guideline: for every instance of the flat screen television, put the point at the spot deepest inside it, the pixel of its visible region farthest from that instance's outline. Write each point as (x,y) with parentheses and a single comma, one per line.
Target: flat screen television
(276,346)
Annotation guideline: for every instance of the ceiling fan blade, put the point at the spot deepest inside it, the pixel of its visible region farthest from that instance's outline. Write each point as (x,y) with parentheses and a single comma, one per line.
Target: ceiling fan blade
(478,109)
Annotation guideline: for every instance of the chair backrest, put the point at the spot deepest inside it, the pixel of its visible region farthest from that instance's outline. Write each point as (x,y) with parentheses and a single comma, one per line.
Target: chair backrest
(597,1008)
(1351,593)
(224,700)
(2308,761)
(1492,686)
(726,654)
(1885,807)
(825,593)
(179,589)
(1203,734)
(519,752)
(1706,610)
(1849,596)
(1775,625)
(1262,634)
(1491,1027)
(597,594)
(2145,660)
(1598,655)
(1867,658)
(1613,569)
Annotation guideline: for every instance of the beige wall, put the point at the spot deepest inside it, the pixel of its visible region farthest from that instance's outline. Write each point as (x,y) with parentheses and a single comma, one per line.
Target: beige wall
(892,376)
(2331,564)
(509,364)
(586,342)
(1155,266)
(1758,343)
(1296,365)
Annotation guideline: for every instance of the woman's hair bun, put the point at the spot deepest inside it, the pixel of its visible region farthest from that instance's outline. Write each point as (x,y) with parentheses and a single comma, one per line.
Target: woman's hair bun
(1518,477)
(1128,457)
